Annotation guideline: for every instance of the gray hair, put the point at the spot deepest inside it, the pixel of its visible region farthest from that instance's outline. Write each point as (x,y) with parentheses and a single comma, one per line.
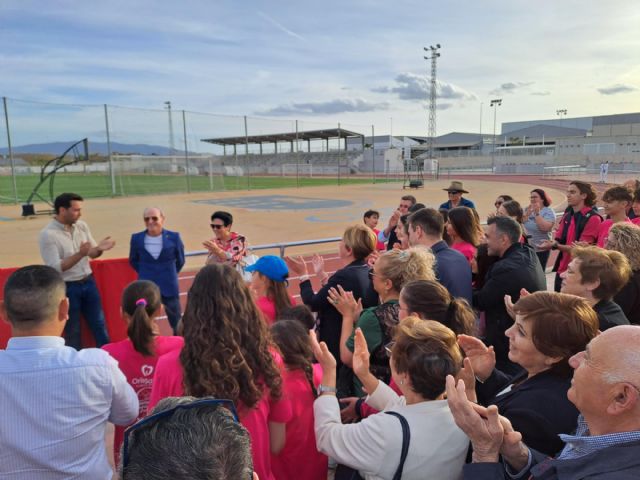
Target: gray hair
(203,442)
(507,226)
(32,295)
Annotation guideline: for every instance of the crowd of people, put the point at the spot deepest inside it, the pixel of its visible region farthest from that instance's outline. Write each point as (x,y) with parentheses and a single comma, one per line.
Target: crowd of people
(436,350)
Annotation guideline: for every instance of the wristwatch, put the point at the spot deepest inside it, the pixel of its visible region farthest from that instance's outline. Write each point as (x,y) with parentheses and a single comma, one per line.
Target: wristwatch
(554,246)
(324,389)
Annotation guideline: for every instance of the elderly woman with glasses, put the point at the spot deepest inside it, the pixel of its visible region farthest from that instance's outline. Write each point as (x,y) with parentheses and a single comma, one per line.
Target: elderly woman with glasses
(388,275)
(226,246)
(549,329)
(423,353)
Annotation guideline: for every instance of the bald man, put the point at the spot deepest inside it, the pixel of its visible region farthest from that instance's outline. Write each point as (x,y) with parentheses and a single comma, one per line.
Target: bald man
(605,389)
(158,255)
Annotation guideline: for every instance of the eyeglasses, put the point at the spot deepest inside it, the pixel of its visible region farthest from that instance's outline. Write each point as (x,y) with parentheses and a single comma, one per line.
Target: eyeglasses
(497,204)
(228,404)
(388,348)
(148,219)
(372,274)
(216,226)
(453,192)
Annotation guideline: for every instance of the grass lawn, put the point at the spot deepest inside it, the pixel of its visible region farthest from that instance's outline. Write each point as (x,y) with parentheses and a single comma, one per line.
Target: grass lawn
(98,185)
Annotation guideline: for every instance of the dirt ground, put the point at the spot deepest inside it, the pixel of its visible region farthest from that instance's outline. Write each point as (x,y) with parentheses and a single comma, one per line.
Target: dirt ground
(263,216)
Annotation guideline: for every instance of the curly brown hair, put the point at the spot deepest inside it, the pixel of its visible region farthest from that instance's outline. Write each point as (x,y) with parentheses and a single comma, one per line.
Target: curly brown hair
(227,345)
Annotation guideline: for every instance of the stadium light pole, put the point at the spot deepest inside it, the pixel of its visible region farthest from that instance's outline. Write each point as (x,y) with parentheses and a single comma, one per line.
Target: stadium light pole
(495,103)
(171,145)
(434,54)
(560,113)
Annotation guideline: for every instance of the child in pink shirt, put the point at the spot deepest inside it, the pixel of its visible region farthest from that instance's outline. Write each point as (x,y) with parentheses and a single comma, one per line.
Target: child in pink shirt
(138,354)
(227,354)
(300,457)
(371,218)
(269,282)
(463,230)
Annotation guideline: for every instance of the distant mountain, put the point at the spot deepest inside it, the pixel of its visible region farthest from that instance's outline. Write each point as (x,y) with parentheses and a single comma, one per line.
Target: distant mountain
(56,148)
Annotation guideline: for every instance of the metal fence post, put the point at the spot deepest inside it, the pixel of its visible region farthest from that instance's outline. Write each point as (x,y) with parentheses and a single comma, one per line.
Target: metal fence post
(373,152)
(297,158)
(246,153)
(11,160)
(186,150)
(112,172)
(339,150)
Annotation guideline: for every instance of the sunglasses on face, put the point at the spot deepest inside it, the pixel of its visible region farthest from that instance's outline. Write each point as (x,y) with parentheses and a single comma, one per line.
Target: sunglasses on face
(497,204)
(453,192)
(228,404)
(216,226)
(148,219)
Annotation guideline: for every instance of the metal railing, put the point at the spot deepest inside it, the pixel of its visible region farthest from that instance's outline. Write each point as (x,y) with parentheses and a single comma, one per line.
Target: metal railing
(281,246)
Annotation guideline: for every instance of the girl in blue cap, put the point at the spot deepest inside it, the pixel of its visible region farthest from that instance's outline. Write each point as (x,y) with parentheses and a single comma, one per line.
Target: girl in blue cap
(269,282)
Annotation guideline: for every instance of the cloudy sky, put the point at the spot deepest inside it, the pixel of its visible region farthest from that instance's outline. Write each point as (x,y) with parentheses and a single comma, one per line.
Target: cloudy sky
(357,62)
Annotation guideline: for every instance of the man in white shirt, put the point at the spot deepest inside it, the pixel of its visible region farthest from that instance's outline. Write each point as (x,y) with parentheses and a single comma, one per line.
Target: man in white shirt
(66,244)
(56,401)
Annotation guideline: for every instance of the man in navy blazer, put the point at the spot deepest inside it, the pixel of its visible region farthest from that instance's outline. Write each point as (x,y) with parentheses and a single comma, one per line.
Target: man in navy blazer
(426,227)
(158,255)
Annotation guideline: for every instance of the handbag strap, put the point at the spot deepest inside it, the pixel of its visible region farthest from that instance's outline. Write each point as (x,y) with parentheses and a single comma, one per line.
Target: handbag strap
(406,439)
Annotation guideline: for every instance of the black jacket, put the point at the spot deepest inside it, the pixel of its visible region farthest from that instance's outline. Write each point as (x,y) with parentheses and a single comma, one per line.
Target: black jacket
(353,278)
(609,314)
(538,407)
(518,268)
(629,298)
(619,462)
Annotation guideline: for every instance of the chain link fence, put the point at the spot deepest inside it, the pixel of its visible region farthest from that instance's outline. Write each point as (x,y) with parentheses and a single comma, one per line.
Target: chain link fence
(136,151)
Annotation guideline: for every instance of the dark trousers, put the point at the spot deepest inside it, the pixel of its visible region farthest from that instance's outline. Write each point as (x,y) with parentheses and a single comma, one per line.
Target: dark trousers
(84,299)
(544,258)
(173,311)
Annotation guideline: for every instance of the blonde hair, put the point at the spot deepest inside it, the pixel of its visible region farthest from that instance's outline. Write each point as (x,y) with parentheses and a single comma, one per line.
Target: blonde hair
(360,240)
(627,242)
(402,266)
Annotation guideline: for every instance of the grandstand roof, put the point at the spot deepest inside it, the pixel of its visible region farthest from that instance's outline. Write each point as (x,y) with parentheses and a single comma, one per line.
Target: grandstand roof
(324,134)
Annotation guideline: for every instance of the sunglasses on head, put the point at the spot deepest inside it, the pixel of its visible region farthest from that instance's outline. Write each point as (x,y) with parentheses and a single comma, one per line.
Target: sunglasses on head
(148,219)
(216,227)
(388,348)
(228,404)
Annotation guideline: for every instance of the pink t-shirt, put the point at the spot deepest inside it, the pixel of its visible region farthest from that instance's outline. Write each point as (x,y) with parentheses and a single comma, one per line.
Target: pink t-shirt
(635,221)
(168,383)
(139,372)
(300,457)
(466,249)
(268,307)
(603,232)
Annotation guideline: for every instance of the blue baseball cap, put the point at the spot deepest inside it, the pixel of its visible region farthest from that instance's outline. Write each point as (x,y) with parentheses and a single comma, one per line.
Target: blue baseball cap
(270,266)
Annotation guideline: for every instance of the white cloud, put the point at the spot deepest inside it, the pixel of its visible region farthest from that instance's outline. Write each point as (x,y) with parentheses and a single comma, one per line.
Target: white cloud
(410,86)
(510,87)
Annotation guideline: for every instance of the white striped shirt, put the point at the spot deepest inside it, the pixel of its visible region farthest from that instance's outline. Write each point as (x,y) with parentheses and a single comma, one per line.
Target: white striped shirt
(54,406)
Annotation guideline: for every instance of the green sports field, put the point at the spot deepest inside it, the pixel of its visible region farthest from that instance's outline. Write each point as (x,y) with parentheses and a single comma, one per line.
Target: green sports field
(98,185)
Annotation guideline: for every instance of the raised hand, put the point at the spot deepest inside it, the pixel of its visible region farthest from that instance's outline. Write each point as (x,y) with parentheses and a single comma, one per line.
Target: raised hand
(320,350)
(360,355)
(106,244)
(345,303)
(318,265)
(482,425)
(296,265)
(481,357)
(467,375)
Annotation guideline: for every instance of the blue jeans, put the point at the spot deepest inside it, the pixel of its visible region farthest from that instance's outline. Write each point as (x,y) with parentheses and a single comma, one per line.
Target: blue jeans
(173,311)
(84,299)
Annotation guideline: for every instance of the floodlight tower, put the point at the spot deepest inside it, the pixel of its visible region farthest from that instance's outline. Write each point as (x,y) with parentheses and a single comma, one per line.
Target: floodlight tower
(495,103)
(434,54)
(560,113)
(171,145)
